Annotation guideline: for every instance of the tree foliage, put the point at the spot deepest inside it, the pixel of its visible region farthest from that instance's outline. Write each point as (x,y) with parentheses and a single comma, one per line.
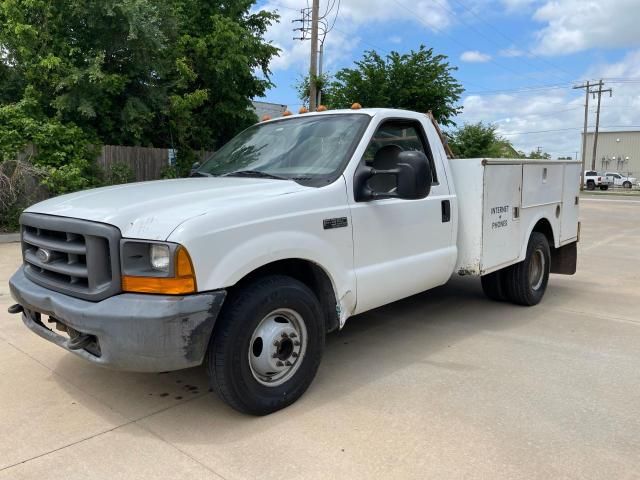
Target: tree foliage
(137,72)
(419,80)
(539,154)
(475,140)
(77,74)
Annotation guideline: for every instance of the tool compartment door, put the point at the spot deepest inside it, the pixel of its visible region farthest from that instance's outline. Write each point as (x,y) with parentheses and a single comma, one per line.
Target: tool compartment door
(501,216)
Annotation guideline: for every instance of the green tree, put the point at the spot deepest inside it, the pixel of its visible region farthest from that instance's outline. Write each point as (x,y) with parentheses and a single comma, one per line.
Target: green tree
(137,72)
(419,80)
(479,140)
(539,154)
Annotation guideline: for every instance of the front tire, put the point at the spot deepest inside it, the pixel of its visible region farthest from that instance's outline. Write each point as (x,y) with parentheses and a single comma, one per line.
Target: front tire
(627,184)
(591,185)
(527,281)
(267,345)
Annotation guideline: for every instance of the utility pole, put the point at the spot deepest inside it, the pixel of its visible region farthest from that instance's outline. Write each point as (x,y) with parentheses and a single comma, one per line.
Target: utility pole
(600,91)
(321,54)
(313,67)
(584,131)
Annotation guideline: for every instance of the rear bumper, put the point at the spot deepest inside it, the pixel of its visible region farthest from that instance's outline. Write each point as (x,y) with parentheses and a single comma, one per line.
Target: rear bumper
(137,332)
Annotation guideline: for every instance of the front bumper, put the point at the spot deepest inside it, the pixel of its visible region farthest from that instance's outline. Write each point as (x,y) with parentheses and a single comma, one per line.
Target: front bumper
(137,332)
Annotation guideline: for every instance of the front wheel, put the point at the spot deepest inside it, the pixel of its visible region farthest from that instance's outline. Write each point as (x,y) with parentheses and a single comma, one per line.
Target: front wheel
(626,184)
(267,345)
(527,281)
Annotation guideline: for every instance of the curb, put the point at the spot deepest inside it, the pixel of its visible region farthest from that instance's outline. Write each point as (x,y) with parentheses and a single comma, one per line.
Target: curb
(9,237)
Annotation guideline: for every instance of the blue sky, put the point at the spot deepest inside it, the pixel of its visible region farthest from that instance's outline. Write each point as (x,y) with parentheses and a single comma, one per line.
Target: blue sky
(517,59)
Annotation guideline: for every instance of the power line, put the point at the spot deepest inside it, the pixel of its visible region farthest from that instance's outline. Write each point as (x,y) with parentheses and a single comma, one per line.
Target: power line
(495,29)
(566,129)
(482,33)
(454,39)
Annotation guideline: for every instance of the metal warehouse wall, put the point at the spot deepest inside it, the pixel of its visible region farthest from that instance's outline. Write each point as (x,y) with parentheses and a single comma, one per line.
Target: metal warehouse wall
(615,147)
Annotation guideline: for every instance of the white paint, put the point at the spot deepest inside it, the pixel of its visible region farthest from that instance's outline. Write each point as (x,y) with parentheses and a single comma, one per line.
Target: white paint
(391,248)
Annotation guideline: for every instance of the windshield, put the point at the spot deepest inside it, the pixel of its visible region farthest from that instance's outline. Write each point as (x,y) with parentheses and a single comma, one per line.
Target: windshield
(300,148)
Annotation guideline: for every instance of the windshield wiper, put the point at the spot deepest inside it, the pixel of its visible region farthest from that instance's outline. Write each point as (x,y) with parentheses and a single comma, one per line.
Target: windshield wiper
(198,173)
(255,174)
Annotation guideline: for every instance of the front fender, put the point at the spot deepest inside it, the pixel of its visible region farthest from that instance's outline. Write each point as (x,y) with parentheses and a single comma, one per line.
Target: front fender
(256,252)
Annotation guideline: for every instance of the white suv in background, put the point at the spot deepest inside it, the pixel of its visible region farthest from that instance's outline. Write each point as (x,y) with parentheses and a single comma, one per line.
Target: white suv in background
(620,180)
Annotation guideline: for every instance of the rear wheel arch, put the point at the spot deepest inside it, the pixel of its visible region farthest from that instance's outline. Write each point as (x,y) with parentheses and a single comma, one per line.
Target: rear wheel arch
(544,226)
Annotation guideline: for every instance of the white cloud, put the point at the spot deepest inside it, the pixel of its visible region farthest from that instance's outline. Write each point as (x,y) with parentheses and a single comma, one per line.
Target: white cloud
(517,5)
(343,39)
(474,56)
(558,114)
(577,25)
(395,39)
(511,52)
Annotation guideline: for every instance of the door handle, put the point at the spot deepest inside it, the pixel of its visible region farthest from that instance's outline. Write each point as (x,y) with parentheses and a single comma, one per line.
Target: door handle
(446,211)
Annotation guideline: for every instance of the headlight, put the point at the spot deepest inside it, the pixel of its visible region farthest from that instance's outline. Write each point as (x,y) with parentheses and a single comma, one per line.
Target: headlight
(160,257)
(156,267)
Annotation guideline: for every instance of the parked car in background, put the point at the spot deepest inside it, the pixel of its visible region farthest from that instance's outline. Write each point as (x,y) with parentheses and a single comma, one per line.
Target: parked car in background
(620,180)
(593,179)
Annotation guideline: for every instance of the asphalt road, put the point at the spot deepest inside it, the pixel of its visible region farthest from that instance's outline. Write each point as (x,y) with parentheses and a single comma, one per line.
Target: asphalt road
(445,384)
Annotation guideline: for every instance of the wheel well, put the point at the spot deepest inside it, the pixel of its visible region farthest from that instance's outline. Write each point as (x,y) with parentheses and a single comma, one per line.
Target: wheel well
(309,273)
(543,226)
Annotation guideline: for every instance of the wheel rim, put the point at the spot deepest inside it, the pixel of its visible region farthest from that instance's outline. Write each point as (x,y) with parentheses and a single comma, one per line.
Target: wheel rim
(537,269)
(277,347)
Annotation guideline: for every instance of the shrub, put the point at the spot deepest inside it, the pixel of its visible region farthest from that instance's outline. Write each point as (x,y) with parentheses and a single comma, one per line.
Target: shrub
(118,173)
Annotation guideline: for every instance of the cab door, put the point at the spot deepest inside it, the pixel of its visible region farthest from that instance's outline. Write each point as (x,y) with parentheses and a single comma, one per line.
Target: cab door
(401,247)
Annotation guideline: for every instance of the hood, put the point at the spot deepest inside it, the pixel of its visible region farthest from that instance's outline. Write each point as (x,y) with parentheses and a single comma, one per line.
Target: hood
(152,210)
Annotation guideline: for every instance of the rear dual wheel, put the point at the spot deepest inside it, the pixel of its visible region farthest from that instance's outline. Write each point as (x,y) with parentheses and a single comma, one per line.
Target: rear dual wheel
(523,283)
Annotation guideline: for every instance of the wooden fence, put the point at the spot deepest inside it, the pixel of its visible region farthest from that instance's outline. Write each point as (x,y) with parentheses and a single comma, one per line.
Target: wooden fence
(146,163)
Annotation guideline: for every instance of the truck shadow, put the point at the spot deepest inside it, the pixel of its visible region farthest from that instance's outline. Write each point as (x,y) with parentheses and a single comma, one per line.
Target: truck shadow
(371,346)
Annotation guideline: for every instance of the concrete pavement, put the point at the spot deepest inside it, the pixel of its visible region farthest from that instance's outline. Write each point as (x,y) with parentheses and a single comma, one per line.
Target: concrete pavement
(445,384)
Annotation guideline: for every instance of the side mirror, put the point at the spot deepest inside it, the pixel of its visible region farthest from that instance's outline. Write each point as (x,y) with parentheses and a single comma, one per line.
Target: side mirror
(413,179)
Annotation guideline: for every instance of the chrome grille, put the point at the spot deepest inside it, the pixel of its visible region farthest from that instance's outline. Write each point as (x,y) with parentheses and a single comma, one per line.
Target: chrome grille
(76,257)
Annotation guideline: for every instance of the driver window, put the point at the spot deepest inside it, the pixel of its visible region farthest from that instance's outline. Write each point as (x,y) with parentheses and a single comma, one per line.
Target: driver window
(390,139)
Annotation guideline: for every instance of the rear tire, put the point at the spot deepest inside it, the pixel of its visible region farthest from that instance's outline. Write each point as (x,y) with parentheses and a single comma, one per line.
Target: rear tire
(493,286)
(267,345)
(527,281)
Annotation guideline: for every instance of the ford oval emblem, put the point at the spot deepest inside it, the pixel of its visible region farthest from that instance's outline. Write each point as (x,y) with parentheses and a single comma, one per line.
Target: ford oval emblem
(43,255)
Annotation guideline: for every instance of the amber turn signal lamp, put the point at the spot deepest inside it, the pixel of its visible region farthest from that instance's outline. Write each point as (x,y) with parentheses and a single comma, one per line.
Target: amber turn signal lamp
(183,283)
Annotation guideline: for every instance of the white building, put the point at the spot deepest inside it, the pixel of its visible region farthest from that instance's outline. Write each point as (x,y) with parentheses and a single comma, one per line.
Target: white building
(616,152)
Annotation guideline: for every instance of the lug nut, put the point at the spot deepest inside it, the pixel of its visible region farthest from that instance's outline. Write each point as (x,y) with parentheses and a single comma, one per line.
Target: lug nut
(293,335)
(294,354)
(296,343)
(279,364)
(284,335)
(287,363)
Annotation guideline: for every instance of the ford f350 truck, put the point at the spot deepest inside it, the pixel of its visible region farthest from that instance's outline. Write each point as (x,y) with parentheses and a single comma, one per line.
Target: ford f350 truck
(291,228)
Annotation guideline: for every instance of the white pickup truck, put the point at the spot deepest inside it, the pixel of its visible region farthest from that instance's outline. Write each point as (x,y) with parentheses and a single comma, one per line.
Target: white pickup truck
(291,228)
(621,180)
(593,180)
